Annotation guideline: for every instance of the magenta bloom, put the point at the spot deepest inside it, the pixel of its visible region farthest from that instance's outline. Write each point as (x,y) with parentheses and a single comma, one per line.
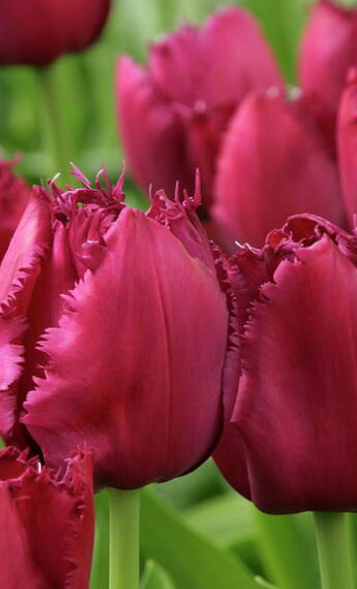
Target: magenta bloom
(14,195)
(47,522)
(132,363)
(289,442)
(173,114)
(274,162)
(328,50)
(34,32)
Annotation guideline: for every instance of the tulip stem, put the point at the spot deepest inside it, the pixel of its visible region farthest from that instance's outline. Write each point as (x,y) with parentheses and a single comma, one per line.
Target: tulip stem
(124,539)
(52,120)
(333,545)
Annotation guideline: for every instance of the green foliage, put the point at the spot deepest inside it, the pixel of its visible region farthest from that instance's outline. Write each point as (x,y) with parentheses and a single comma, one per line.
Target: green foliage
(155,577)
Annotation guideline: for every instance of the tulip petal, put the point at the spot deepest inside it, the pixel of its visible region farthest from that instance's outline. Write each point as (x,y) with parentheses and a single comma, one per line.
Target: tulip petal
(328,50)
(296,404)
(251,64)
(211,78)
(153,134)
(36,33)
(273,164)
(347,146)
(47,523)
(128,319)
(18,273)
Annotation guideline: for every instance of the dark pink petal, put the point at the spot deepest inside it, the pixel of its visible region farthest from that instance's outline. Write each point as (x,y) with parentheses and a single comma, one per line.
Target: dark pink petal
(296,404)
(19,271)
(137,371)
(328,50)
(153,133)
(14,195)
(181,219)
(191,65)
(176,65)
(347,146)
(36,33)
(47,523)
(251,64)
(273,163)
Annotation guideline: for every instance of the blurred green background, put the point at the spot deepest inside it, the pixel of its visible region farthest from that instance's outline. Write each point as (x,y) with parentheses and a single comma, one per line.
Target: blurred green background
(196,529)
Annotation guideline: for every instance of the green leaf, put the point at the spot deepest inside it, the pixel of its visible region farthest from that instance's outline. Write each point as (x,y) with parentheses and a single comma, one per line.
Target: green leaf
(288,552)
(263,583)
(201,484)
(155,577)
(193,561)
(229,520)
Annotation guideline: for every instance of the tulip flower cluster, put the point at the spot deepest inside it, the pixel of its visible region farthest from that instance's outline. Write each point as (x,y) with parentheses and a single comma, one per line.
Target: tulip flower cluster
(263,156)
(131,347)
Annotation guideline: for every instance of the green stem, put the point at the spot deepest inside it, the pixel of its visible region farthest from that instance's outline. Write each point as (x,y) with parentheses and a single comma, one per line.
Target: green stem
(53,125)
(333,545)
(124,539)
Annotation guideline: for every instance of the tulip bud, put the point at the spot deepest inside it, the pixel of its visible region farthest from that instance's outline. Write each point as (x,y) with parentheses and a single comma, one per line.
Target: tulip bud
(14,194)
(328,50)
(173,114)
(47,522)
(36,33)
(125,323)
(288,444)
(274,162)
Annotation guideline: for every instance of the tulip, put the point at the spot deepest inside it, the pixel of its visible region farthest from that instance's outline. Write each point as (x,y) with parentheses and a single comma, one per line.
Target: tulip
(14,194)
(36,32)
(47,522)
(274,162)
(174,113)
(290,436)
(124,338)
(347,145)
(328,50)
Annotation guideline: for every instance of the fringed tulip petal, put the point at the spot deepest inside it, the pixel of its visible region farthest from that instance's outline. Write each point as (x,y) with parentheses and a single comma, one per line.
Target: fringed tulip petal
(143,395)
(47,523)
(19,271)
(289,444)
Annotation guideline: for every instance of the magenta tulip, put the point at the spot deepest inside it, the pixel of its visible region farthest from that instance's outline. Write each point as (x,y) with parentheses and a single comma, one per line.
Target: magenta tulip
(14,195)
(36,32)
(132,363)
(274,162)
(47,522)
(347,146)
(289,441)
(173,114)
(328,50)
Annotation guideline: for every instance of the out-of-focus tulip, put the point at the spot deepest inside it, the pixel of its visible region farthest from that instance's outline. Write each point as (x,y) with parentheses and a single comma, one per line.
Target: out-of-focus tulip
(173,114)
(347,145)
(37,32)
(14,195)
(328,50)
(274,162)
(289,443)
(136,350)
(47,522)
